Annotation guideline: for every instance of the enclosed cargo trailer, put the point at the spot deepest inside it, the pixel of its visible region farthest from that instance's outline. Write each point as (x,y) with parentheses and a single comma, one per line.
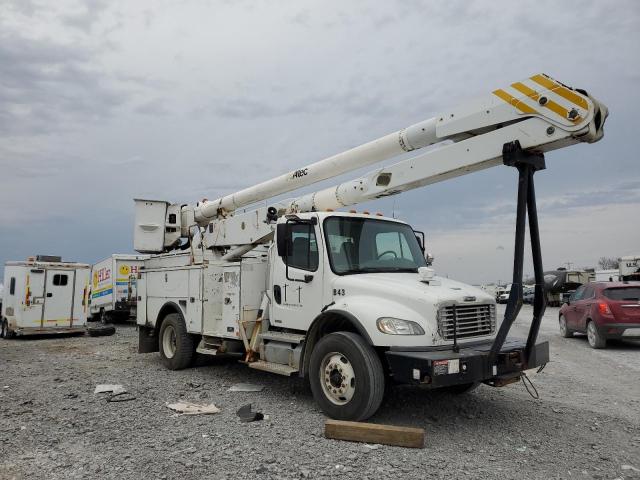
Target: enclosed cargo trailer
(44,295)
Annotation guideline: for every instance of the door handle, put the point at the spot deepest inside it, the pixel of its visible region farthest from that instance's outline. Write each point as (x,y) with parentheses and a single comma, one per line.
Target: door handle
(49,295)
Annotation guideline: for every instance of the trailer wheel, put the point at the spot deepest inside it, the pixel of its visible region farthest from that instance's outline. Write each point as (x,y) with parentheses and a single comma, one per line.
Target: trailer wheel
(346,377)
(176,346)
(564,330)
(5,332)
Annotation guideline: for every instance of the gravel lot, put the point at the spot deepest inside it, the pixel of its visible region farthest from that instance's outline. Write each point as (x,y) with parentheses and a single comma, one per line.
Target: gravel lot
(586,424)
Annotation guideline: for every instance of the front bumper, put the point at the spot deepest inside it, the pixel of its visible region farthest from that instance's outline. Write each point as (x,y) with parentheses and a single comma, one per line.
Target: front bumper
(443,368)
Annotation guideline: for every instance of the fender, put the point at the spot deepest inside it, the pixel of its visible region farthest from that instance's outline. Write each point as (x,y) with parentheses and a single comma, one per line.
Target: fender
(333,320)
(148,334)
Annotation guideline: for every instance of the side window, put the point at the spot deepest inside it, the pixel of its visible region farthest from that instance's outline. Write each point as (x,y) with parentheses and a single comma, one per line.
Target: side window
(60,280)
(577,295)
(392,245)
(588,293)
(302,247)
(12,286)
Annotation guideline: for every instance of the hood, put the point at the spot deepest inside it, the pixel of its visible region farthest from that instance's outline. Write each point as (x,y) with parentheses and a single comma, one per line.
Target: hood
(407,288)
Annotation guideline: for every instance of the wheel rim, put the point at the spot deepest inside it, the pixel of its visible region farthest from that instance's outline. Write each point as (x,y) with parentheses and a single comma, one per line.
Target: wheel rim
(337,378)
(169,342)
(563,326)
(591,334)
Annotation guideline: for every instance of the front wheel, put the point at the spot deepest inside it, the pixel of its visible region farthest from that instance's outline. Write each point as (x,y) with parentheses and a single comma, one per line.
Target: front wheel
(346,377)
(176,346)
(564,331)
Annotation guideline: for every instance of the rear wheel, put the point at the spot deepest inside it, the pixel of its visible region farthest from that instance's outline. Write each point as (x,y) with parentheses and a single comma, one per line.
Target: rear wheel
(5,331)
(177,347)
(564,330)
(346,377)
(595,339)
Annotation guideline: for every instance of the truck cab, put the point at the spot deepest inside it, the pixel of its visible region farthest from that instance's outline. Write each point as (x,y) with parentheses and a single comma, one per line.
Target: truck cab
(371,269)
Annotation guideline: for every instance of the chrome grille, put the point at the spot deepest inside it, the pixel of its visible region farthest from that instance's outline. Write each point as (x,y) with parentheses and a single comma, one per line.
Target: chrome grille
(472,320)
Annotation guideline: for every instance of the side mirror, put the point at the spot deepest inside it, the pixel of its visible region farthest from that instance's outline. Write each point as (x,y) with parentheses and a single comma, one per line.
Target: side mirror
(282,231)
(429,258)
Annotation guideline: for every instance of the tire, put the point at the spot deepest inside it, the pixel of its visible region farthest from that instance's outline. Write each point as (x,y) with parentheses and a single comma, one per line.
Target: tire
(593,336)
(345,355)
(176,346)
(564,331)
(461,389)
(5,332)
(105,318)
(101,331)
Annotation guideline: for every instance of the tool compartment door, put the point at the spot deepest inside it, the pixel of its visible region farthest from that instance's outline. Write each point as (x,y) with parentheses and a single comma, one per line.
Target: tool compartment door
(58,302)
(34,298)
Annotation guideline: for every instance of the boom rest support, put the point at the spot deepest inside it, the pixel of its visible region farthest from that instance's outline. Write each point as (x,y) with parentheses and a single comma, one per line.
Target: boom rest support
(527,164)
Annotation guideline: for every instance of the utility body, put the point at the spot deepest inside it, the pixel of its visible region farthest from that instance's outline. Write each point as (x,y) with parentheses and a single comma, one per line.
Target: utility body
(349,300)
(114,287)
(44,295)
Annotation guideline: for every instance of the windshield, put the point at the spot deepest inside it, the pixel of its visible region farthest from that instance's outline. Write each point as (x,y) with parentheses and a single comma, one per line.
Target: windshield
(362,245)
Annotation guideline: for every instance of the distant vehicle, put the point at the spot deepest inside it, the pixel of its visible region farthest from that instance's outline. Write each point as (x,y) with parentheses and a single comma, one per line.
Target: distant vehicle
(44,295)
(114,287)
(561,281)
(629,267)
(528,294)
(604,311)
(610,275)
(502,294)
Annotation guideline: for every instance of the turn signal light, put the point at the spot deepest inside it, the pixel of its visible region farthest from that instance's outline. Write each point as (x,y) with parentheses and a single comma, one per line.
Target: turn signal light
(603,308)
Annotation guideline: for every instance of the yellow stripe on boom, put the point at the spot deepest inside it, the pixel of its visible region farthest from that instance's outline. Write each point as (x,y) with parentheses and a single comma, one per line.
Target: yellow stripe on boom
(523,107)
(550,104)
(561,90)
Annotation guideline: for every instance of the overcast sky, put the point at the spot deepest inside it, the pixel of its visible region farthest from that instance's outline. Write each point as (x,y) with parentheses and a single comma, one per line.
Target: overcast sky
(104,101)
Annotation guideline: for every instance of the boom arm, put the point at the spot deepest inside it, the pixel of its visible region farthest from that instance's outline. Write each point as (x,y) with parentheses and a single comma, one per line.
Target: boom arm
(539,112)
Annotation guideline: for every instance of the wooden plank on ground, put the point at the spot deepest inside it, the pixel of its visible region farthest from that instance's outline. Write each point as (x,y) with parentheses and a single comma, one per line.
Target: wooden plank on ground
(374,433)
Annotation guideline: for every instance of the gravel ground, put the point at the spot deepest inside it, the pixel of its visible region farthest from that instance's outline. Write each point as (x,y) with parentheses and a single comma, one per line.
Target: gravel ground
(585,425)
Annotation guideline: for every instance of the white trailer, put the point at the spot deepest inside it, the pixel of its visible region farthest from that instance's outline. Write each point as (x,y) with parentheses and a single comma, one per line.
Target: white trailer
(114,287)
(44,295)
(347,300)
(629,267)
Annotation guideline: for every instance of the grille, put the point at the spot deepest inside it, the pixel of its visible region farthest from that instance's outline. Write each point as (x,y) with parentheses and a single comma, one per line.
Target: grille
(472,320)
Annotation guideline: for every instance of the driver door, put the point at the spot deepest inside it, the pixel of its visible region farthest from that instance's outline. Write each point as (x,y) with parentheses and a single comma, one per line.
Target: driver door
(297,275)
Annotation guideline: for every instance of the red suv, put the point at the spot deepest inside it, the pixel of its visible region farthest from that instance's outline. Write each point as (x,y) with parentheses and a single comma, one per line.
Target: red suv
(602,310)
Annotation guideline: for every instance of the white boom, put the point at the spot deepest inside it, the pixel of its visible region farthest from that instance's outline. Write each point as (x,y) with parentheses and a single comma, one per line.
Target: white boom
(539,112)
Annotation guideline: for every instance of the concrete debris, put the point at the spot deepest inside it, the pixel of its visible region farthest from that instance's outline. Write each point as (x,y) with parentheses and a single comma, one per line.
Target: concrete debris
(246,387)
(189,408)
(107,388)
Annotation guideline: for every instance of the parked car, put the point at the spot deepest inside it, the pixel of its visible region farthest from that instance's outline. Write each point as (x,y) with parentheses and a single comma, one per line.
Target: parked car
(528,294)
(602,310)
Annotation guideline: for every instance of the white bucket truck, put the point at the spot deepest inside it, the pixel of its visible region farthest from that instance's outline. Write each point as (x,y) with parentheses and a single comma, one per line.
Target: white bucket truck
(44,295)
(114,287)
(346,300)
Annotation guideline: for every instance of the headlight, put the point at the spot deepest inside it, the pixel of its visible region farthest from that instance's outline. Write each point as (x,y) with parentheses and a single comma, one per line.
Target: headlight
(395,326)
